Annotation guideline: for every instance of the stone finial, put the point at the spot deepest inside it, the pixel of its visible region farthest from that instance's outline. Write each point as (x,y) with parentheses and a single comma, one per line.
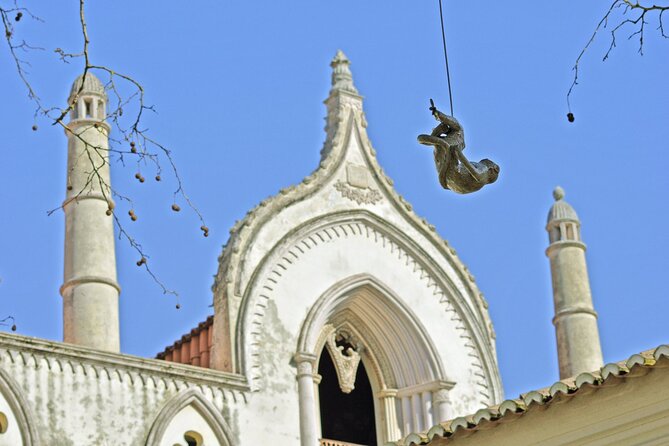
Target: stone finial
(341,73)
(560,210)
(558,193)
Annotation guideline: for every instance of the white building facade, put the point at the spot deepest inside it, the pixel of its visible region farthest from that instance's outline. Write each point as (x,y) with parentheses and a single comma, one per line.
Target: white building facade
(330,290)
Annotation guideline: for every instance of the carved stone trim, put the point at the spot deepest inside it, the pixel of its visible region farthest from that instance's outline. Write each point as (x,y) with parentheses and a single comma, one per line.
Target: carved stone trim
(360,196)
(59,355)
(346,361)
(20,408)
(485,371)
(193,398)
(345,120)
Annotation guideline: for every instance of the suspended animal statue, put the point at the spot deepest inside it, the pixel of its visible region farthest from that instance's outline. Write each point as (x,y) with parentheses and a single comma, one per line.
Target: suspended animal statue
(456,172)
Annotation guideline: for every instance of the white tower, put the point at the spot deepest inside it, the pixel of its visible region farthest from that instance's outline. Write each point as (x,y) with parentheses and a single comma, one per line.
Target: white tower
(90,291)
(575,320)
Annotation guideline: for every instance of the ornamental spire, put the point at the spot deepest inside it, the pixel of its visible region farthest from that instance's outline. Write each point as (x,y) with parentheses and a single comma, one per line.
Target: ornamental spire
(341,73)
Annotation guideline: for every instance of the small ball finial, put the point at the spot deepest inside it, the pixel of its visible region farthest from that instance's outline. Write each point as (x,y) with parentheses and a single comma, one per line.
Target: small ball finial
(558,193)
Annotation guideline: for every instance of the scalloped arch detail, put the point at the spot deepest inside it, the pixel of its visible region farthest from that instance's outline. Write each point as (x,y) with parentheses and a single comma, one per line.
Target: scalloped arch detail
(362,225)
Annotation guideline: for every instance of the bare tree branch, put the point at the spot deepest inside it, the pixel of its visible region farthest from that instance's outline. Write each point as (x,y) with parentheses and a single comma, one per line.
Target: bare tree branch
(638,22)
(131,140)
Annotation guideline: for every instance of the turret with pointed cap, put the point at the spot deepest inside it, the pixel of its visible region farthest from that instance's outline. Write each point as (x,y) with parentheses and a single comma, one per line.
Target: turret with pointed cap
(575,320)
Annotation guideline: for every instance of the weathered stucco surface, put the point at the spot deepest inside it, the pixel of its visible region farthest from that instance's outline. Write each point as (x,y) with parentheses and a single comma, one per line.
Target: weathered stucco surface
(79,396)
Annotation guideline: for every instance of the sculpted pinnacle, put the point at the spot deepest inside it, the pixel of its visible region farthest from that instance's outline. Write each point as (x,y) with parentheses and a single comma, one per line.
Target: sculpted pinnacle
(341,73)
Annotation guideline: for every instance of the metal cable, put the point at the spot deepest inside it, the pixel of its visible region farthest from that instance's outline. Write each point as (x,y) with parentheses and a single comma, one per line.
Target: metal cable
(448,73)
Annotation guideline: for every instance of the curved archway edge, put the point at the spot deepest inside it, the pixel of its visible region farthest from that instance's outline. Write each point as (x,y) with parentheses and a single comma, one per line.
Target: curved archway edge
(464,309)
(14,396)
(309,340)
(174,405)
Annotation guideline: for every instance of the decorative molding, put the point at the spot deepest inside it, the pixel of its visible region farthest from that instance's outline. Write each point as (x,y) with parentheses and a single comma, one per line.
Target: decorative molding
(346,361)
(574,309)
(360,196)
(345,117)
(20,408)
(189,397)
(88,279)
(484,376)
(434,386)
(372,351)
(69,358)
(304,363)
(345,120)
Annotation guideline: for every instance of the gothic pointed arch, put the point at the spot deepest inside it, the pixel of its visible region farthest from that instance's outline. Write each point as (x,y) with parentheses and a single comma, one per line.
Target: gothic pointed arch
(189,419)
(17,423)
(343,222)
(393,338)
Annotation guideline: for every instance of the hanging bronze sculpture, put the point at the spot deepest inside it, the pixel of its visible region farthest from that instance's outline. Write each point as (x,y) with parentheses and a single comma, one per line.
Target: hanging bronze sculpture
(456,172)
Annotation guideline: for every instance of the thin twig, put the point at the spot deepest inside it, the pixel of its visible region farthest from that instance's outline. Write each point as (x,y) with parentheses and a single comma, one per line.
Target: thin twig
(639,21)
(142,147)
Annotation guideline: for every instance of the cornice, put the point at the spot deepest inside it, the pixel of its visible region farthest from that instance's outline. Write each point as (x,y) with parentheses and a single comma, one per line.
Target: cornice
(60,354)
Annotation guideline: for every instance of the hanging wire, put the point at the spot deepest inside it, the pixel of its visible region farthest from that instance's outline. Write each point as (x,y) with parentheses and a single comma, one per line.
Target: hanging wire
(448,73)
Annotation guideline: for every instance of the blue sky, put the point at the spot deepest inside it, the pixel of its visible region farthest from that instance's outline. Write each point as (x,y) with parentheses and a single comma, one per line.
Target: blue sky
(238,87)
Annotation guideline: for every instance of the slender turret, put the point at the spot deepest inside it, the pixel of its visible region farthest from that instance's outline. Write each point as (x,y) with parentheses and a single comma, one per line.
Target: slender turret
(575,320)
(90,291)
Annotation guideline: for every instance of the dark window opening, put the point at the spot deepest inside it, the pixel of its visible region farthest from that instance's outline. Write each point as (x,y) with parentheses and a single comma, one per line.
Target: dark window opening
(346,417)
(88,107)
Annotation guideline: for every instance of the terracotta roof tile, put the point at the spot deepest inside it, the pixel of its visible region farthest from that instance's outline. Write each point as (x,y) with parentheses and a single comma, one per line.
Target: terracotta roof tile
(636,365)
(193,348)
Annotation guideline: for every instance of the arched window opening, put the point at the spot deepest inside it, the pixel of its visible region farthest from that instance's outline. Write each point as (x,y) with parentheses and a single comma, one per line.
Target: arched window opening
(555,234)
(346,417)
(4,423)
(570,232)
(89,108)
